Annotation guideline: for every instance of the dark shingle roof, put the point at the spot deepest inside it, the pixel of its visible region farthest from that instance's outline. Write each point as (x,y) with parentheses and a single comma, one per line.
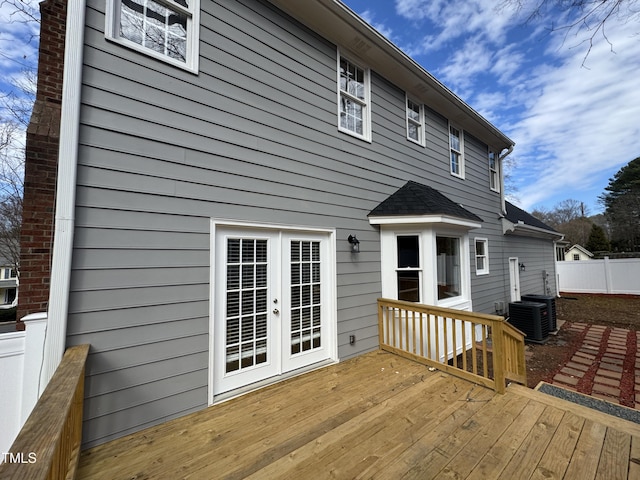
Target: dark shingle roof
(415,199)
(516,215)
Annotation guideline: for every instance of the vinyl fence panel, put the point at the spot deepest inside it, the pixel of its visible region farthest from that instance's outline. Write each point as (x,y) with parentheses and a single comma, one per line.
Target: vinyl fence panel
(618,276)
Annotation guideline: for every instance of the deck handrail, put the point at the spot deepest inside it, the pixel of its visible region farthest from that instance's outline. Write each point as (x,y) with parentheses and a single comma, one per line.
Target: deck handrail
(48,446)
(478,347)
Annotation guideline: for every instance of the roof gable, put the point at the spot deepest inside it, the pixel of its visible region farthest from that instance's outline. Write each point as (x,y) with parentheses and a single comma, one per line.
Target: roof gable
(517,215)
(417,200)
(580,248)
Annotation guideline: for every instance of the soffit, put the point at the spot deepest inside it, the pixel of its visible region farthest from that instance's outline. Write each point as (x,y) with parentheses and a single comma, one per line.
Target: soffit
(337,23)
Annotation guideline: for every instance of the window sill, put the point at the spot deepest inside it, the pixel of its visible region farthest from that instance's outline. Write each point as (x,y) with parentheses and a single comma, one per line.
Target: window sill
(457,303)
(365,138)
(157,56)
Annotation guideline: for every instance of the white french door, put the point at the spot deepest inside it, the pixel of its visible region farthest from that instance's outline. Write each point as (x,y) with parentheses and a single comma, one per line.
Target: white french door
(272,304)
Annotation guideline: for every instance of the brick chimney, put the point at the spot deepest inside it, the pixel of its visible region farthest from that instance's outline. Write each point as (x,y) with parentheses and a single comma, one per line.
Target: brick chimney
(41,163)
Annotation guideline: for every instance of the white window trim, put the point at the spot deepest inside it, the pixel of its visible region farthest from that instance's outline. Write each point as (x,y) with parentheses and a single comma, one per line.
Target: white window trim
(112,21)
(497,171)
(418,269)
(329,272)
(460,152)
(429,277)
(485,270)
(421,127)
(366,104)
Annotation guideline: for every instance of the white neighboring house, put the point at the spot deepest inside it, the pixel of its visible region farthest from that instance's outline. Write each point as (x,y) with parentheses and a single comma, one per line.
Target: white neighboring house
(8,285)
(577,253)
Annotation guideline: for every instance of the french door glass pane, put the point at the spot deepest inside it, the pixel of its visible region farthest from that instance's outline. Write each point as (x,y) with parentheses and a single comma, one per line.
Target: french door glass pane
(246,300)
(305,296)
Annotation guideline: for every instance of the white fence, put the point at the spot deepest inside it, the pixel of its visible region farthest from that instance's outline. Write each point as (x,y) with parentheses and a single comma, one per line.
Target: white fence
(20,362)
(620,276)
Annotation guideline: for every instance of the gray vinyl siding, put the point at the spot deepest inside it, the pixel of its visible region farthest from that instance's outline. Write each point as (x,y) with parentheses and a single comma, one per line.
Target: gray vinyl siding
(538,256)
(252,137)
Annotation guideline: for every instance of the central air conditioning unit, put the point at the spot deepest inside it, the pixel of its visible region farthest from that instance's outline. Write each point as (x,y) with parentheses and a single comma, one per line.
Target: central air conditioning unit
(532,319)
(551,307)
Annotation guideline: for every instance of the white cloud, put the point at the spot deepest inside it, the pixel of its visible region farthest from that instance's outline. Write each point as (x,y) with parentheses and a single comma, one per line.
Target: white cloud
(574,121)
(18,38)
(472,59)
(580,122)
(369,16)
(454,20)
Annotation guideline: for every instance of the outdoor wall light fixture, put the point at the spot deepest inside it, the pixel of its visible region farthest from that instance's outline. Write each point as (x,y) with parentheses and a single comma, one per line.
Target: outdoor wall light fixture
(355,244)
(522,267)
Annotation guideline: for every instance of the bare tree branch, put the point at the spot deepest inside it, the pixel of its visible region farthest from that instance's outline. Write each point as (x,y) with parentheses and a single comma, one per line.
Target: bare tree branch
(591,16)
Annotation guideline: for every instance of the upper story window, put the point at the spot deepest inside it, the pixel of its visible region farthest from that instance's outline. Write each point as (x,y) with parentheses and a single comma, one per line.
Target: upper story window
(482,256)
(164,29)
(494,172)
(354,99)
(456,151)
(415,122)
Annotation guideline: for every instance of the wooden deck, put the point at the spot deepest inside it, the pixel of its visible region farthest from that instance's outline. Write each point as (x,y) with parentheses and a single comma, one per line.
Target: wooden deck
(378,416)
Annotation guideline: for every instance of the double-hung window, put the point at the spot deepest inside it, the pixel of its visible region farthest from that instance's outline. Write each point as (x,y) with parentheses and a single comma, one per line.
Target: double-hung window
(448,267)
(415,122)
(354,99)
(482,256)
(408,270)
(164,29)
(494,172)
(456,151)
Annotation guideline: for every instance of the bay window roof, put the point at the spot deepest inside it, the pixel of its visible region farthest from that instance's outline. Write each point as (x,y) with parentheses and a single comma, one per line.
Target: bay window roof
(415,203)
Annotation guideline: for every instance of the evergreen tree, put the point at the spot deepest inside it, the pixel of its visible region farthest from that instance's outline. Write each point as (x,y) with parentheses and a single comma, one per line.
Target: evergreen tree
(622,204)
(598,241)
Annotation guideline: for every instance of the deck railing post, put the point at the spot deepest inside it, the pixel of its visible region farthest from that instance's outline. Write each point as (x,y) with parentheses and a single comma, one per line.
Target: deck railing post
(50,439)
(381,307)
(499,356)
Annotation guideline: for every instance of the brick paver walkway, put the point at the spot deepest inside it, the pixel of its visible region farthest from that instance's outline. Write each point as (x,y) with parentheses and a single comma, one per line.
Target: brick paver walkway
(607,365)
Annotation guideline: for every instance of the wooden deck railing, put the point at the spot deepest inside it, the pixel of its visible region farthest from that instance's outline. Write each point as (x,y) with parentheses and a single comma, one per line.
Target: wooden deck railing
(48,446)
(478,347)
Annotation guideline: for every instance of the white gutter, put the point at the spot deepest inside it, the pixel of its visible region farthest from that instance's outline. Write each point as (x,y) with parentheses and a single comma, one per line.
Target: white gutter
(55,340)
(521,228)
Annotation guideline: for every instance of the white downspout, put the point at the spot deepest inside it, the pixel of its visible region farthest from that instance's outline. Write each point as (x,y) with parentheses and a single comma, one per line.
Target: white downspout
(501,165)
(58,307)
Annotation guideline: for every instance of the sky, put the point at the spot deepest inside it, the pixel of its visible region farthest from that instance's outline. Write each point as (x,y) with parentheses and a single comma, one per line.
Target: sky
(573,111)
(18,52)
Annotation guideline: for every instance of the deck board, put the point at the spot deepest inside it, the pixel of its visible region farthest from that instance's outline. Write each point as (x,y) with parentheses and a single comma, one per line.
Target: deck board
(377,416)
